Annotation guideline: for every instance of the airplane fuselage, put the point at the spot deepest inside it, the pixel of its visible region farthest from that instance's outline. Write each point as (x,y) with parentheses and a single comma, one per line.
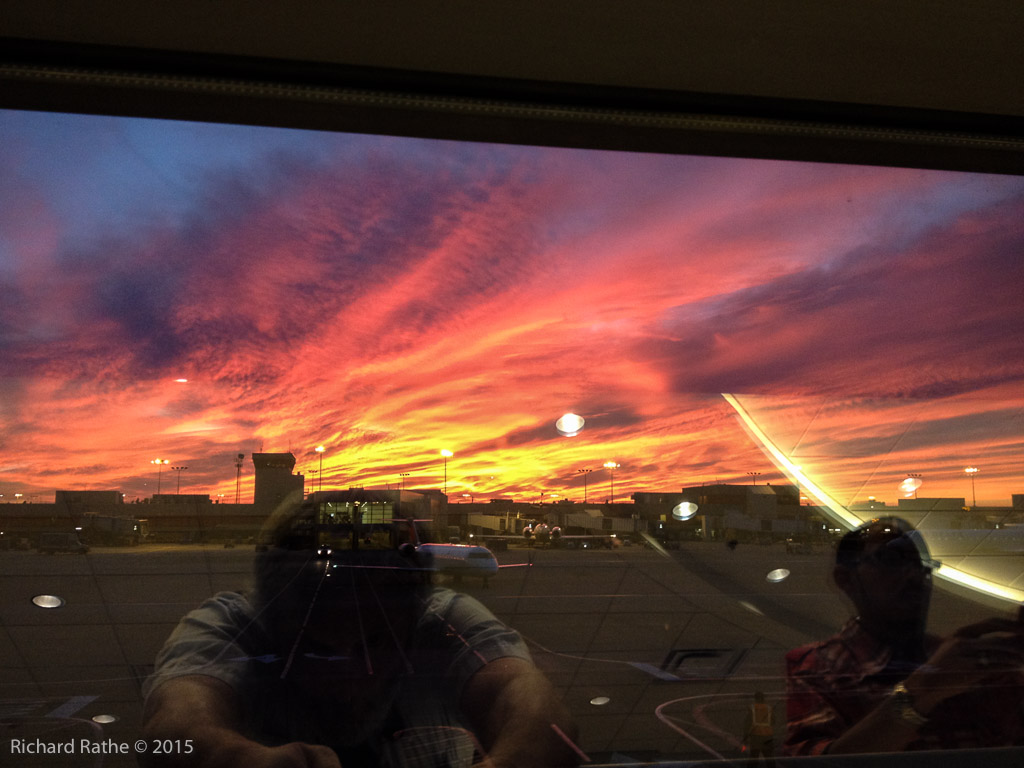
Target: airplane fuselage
(461,559)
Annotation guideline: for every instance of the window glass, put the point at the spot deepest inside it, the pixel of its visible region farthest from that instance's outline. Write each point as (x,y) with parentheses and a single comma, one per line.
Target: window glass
(327,386)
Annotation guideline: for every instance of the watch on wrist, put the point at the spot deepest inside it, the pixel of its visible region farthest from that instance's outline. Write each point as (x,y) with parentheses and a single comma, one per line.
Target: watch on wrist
(903,703)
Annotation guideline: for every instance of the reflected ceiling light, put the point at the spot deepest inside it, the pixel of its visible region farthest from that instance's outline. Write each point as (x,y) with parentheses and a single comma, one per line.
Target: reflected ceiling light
(777,575)
(48,601)
(911,484)
(684,510)
(104,719)
(599,701)
(751,607)
(570,424)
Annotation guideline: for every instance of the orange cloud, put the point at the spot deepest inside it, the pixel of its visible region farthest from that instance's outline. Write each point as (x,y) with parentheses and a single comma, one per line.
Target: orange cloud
(389,298)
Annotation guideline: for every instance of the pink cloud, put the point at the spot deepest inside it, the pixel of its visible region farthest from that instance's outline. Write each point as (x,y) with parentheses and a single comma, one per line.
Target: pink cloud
(465,300)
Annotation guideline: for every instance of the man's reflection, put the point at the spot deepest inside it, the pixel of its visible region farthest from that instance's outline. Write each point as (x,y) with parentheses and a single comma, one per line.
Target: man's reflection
(883,683)
(347,655)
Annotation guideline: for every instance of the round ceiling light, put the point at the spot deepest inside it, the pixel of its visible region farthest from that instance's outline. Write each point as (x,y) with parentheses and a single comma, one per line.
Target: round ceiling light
(48,601)
(570,425)
(684,510)
(911,484)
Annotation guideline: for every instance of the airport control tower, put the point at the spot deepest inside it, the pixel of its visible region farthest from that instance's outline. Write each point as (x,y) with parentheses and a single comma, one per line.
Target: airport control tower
(274,479)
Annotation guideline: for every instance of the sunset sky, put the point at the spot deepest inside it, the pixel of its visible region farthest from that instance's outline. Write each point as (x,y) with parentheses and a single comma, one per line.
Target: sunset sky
(390,297)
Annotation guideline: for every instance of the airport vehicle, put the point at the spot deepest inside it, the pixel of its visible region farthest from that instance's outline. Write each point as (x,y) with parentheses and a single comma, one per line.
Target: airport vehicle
(112,530)
(105,530)
(797,546)
(51,543)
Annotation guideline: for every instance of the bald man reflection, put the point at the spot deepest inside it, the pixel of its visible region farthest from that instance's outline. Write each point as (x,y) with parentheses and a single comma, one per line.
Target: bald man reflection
(883,683)
(352,659)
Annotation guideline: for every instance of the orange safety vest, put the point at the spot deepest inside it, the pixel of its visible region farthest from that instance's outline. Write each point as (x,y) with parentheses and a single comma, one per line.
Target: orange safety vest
(761,720)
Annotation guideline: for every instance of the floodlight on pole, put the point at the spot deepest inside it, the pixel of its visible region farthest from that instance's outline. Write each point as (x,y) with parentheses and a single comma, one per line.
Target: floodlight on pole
(179,470)
(972,471)
(611,466)
(159,471)
(447,455)
(584,472)
(910,485)
(239,461)
(320,482)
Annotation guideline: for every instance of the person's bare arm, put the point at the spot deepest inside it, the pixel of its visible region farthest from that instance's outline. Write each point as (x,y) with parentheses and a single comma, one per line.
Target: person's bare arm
(519,718)
(201,714)
(956,667)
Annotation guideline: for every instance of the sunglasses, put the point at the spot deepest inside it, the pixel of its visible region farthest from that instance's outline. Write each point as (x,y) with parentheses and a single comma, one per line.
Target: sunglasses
(899,554)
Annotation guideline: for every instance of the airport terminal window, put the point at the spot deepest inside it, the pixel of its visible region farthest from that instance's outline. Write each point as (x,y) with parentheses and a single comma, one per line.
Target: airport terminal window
(208,329)
(332,512)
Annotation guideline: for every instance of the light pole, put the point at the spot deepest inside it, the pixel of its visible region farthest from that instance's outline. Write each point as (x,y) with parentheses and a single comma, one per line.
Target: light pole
(179,470)
(584,472)
(239,461)
(447,454)
(754,476)
(320,482)
(912,483)
(159,471)
(611,466)
(403,475)
(972,471)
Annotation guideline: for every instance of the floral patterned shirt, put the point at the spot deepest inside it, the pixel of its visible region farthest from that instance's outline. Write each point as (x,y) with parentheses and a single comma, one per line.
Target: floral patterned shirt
(832,685)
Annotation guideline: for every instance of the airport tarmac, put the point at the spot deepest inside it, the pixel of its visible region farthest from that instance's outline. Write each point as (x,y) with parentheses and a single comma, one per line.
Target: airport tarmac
(608,625)
(656,654)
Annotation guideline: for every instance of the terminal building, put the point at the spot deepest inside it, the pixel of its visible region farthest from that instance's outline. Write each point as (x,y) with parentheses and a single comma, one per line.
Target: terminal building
(729,512)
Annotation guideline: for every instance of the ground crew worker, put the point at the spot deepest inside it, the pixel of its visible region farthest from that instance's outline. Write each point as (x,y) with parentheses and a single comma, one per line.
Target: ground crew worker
(759,732)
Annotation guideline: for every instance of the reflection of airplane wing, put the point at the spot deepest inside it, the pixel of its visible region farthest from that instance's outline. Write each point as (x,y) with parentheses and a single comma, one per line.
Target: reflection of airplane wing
(961,574)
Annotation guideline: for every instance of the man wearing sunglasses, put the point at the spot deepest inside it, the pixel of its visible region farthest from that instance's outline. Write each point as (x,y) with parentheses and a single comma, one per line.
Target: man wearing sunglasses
(883,684)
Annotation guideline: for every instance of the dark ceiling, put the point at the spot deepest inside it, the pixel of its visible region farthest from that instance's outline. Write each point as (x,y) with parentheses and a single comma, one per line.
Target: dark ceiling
(934,84)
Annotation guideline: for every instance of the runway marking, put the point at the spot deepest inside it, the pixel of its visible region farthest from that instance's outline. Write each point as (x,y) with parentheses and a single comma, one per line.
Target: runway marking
(667,720)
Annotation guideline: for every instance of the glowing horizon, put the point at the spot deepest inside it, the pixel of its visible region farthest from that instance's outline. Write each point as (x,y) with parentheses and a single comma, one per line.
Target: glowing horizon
(193,291)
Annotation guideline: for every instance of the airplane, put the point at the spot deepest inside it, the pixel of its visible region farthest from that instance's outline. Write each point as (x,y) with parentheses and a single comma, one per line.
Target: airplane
(460,560)
(545,534)
(456,560)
